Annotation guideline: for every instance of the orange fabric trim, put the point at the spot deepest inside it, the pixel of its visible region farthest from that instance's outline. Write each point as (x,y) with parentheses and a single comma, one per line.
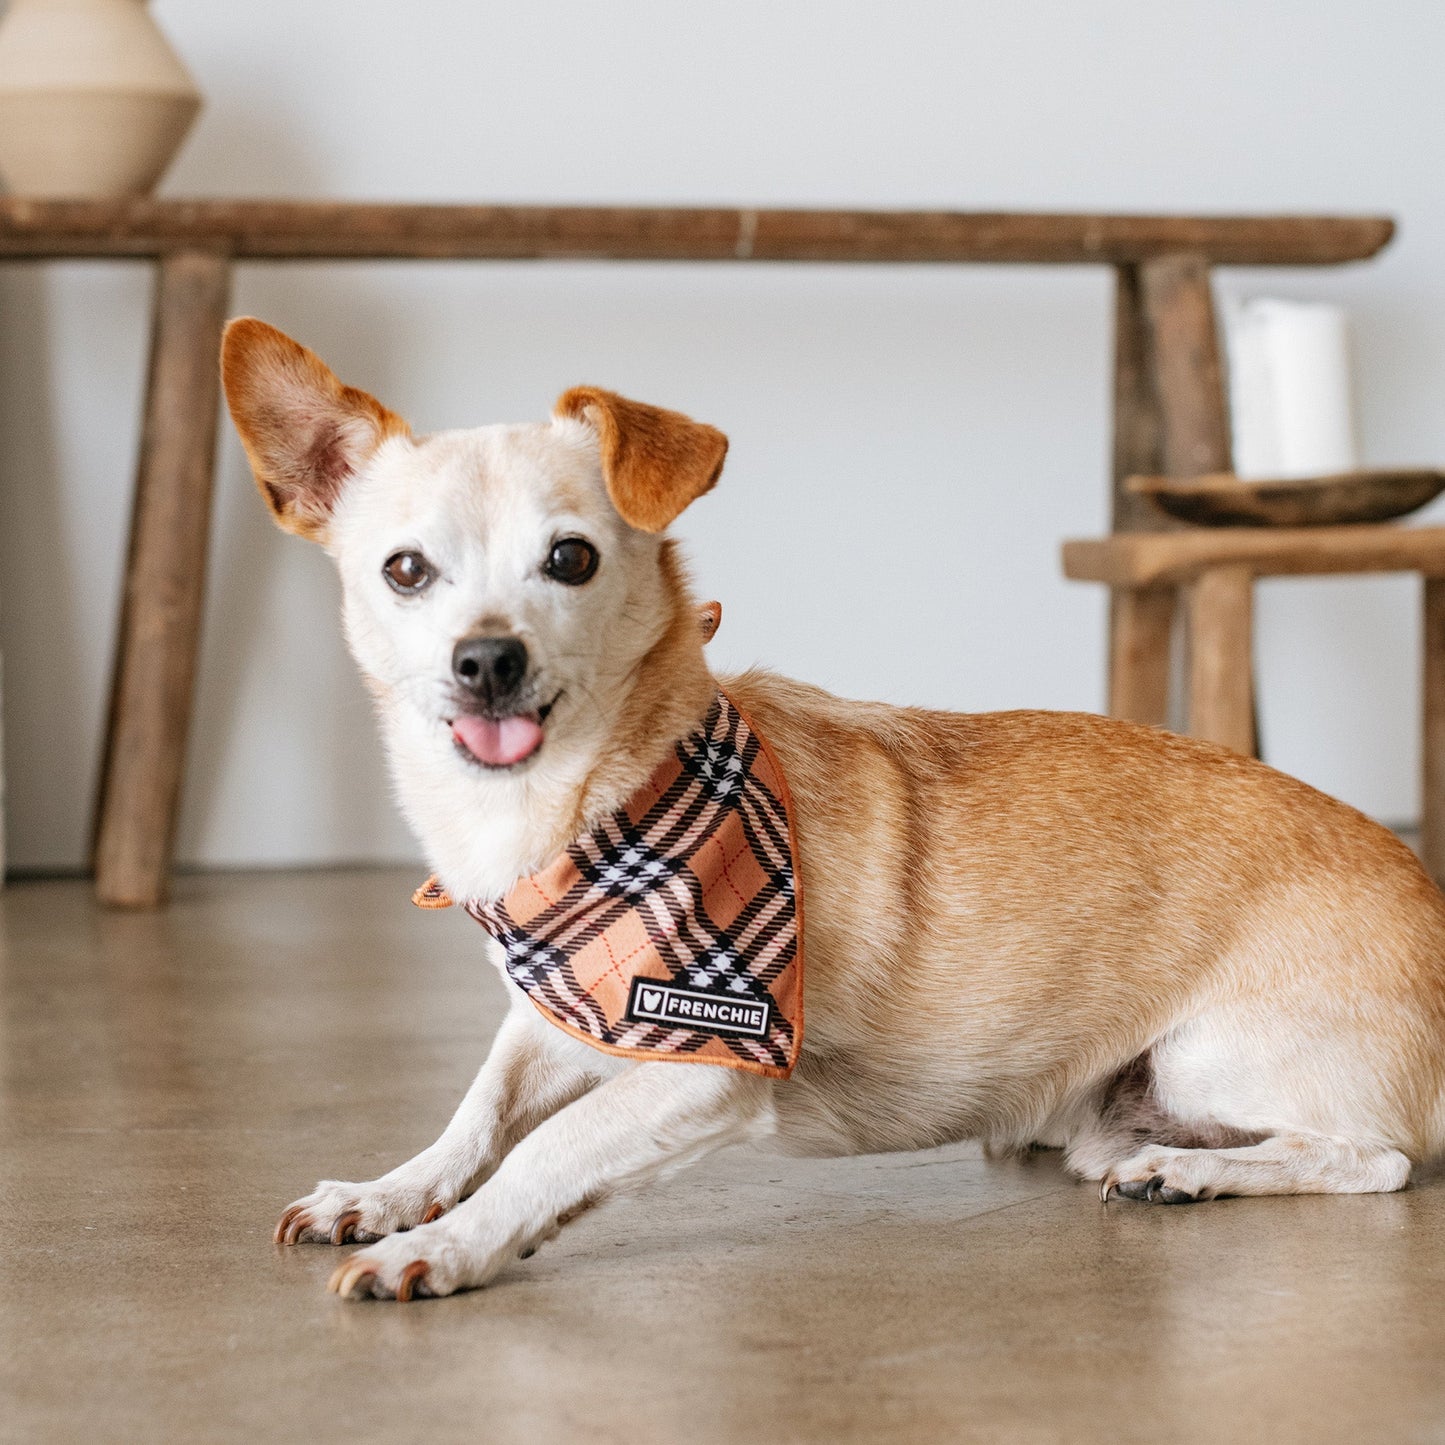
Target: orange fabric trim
(651,1056)
(431,894)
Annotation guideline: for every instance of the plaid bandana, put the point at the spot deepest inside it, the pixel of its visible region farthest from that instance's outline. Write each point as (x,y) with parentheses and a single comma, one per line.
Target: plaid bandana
(672,930)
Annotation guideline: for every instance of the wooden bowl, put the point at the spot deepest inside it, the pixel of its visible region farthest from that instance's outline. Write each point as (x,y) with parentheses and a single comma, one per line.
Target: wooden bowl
(1222,500)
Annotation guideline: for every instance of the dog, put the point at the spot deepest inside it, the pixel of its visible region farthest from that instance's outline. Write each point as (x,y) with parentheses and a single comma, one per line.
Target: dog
(1194,975)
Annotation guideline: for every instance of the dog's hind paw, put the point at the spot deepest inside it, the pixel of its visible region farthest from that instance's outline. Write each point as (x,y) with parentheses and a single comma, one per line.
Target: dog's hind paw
(1153,1190)
(1159,1174)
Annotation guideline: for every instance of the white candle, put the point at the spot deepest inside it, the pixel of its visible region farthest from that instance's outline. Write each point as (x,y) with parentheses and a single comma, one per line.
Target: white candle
(1291,406)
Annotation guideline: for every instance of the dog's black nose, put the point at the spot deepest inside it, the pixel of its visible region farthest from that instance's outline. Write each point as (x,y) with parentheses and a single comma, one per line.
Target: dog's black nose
(490,667)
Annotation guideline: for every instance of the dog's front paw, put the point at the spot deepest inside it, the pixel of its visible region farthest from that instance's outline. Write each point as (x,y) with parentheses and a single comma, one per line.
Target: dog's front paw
(339,1213)
(428,1262)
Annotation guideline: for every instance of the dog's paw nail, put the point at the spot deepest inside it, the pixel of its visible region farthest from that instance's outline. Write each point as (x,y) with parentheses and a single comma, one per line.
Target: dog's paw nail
(1133,1188)
(1106,1187)
(1167,1194)
(413,1279)
(1151,1191)
(292,1225)
(435,1212)
(352,1281)
(345,1227)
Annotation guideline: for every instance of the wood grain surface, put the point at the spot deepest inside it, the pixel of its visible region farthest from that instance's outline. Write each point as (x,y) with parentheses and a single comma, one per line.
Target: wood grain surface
(317,230)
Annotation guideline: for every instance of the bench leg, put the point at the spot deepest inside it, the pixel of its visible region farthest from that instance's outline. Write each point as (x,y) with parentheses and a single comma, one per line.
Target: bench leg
(1141,622)
(161,613)
(1221,692)
(1432,809)
(1188,369)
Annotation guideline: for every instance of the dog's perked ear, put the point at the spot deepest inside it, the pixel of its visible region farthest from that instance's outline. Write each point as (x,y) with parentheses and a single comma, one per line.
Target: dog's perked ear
(654,461)
(304,431)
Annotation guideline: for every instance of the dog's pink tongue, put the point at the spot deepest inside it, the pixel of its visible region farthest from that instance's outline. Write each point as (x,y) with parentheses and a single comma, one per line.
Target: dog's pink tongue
(499,741)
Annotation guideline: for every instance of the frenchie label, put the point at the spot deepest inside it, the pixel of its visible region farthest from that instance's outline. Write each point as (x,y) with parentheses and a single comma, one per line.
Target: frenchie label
(656,1002)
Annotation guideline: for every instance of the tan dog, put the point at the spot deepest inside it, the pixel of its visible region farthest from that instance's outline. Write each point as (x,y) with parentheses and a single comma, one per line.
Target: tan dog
(1193,974)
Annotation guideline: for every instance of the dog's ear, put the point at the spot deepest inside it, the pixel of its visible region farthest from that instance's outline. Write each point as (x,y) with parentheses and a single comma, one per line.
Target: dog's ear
(655,462)
(304,432)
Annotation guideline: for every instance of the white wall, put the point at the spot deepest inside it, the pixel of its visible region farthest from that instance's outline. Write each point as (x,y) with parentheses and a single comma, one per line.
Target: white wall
(908,444)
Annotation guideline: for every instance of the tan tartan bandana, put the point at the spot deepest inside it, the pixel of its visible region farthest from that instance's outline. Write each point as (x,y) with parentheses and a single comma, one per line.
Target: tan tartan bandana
(672,930)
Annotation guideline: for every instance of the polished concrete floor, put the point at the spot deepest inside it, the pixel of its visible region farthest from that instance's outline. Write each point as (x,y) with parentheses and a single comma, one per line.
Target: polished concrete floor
(168,1083)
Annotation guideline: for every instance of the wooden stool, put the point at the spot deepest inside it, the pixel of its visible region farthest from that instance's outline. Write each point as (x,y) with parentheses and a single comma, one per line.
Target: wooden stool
(1215,569)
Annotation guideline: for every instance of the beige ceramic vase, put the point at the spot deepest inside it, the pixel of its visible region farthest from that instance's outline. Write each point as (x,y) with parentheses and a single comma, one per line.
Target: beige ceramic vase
(93,100)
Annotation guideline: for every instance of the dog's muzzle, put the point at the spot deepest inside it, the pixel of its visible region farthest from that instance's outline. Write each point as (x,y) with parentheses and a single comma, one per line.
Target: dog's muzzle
(498,726)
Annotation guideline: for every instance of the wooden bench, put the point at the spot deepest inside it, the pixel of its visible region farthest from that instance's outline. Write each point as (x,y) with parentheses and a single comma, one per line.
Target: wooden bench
(1168,400)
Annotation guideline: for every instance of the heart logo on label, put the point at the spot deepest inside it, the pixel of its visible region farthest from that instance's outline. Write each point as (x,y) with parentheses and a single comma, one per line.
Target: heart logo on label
(652,998)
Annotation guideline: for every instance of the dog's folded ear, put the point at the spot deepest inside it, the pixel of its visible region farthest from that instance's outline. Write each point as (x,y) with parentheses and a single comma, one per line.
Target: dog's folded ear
(304,432)
(655,462)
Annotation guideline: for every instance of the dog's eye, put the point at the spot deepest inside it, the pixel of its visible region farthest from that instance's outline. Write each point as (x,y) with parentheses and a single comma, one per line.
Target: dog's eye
(572,560)
(407,572)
